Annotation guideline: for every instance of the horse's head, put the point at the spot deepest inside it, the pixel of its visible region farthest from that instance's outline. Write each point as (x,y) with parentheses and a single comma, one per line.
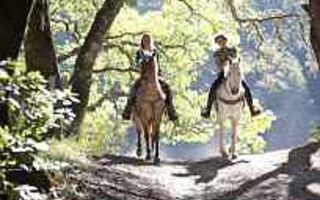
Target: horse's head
(149,73)
(234,75)
(149,64)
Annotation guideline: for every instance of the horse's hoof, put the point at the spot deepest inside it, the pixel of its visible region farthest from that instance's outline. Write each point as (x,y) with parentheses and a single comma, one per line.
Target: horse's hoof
(224,155)
(234,156)
(157,161)
(139,153)
(148,157)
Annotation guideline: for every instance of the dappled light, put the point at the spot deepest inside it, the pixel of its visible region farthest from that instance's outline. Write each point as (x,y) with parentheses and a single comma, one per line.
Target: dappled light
(159,99)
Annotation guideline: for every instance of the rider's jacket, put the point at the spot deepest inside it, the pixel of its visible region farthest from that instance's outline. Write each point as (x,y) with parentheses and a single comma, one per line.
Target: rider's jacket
(139,56)
(222,55)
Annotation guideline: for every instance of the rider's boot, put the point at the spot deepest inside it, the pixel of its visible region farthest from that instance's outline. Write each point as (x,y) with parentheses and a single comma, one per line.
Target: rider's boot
(172,113)
(212,96)
(253,110)
(126,115)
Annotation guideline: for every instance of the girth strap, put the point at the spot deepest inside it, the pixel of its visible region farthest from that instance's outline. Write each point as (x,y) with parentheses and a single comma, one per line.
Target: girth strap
(231,102)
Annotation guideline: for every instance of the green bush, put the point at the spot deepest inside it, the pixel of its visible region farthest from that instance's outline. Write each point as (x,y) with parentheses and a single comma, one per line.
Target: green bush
(32,114)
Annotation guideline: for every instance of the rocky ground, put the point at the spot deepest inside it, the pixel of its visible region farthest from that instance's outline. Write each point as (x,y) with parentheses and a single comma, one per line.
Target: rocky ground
(281,175)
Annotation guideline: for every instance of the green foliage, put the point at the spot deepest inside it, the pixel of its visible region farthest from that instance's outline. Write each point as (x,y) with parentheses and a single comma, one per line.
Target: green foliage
(315,134)
(183,38)
(276,50)
(252,130)
(278,71)
(31,116)
(67,150)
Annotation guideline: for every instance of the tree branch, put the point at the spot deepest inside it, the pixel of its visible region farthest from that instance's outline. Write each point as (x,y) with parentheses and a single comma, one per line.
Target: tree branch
(68,55)
(67,22)
(61,21)
(107,96)
(121,70)
(236,16)
(121,35)
(171,46)
(194,12)
(258,31)
(122,50)
(255,22)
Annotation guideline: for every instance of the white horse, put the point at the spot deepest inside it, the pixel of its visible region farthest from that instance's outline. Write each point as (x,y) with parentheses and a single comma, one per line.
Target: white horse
(229,104)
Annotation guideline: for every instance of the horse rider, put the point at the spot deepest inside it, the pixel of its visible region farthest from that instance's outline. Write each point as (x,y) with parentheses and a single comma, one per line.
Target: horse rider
(147,48)
(221,57)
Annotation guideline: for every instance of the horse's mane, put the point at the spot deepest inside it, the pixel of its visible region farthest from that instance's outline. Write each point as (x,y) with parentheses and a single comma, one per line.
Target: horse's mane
(232,61)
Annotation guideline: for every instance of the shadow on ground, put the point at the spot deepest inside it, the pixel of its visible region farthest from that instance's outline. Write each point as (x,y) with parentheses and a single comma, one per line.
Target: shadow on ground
(206,170)
(289,175)
(122,160)
(293,181)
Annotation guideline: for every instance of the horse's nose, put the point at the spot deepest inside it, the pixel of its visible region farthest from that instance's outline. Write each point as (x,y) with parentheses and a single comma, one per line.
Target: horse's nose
(234,91)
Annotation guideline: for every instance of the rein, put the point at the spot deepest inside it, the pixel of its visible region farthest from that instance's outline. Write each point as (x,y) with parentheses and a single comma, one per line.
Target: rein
(231,102)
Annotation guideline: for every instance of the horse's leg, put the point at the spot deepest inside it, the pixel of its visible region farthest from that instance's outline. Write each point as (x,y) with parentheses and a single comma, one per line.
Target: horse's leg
(152,135)
(234,124)
(157,140)
(139,152)
(156,157)
(223,150)
(139,129)
(147,141)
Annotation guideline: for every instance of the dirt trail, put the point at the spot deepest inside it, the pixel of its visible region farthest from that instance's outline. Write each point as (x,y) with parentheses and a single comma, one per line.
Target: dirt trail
(266,176)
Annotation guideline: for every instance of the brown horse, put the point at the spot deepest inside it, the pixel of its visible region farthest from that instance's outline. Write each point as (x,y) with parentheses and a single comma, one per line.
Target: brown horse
(149,107)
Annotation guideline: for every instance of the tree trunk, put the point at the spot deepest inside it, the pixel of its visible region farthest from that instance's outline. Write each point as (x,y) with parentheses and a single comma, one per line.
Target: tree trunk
(39,50)
(314,11)
(81,79)
(13,19)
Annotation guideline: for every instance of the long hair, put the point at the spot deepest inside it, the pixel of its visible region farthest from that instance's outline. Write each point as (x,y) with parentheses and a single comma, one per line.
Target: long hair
(146,35)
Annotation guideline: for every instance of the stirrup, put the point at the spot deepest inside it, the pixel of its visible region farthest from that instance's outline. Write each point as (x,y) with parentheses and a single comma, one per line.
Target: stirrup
(172,116)
(126,115)
(256,112)
(205,113)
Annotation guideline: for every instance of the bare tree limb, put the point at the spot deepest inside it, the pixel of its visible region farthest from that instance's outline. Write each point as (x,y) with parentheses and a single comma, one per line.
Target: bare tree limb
(278,32)
(254,22)
(196,13)
(302,32)
(61,21)
(67,22)
(68,55)
(106,96)
(171,46)
(75,51)
(258,31)
(121,70)
(133,34)
(122,50)
(236,16)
